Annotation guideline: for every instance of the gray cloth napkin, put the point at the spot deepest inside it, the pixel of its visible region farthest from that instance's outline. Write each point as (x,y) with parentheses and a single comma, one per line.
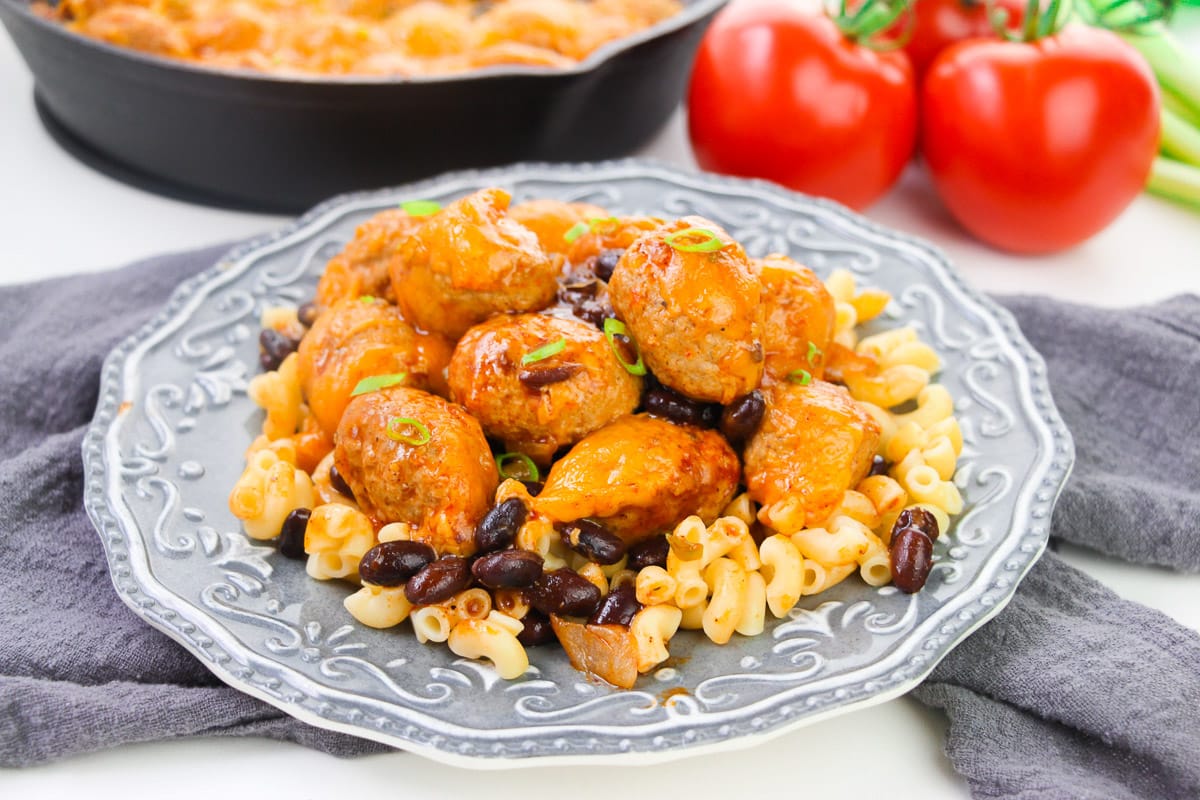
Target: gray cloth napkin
(1070,692)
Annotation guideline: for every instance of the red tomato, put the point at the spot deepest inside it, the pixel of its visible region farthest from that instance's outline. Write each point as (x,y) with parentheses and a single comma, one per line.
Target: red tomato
(1034,147)
(778,92)
(937,24)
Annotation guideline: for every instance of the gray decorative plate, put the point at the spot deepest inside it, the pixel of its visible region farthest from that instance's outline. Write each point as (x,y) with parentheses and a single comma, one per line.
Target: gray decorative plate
(173,421)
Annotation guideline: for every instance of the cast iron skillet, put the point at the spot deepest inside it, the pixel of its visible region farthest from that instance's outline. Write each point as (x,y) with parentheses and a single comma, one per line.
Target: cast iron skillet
(284,143)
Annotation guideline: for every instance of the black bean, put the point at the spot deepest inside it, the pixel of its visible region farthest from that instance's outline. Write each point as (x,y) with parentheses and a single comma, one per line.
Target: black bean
(564,591)
(592,540)
(308,313)
(273,348)
(911,554)
(438,580)
(606,262)
(741,418)
(547,376)
(582,292)
(291,535)
(339,483)
(533,487)
(499,527)
(618,607)
(507,569)
(537,630)
(919,518)
(650,552)
(879,465)
(393,563)
(667,404)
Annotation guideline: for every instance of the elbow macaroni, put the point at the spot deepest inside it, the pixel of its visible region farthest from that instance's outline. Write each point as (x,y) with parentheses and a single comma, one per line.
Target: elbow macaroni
(269,489)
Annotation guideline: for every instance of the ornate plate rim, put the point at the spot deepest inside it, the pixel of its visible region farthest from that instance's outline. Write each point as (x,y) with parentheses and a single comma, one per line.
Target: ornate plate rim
(158,606)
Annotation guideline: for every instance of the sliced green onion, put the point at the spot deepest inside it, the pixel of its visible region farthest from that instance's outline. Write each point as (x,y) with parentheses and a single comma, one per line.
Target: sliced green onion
(531,471)
(800,376)
(395,432)
(575,231)
(366,298)
(543,352)
(420,208)
(377,382)
(614,328)
(603,224)
(707,244)
(813,352)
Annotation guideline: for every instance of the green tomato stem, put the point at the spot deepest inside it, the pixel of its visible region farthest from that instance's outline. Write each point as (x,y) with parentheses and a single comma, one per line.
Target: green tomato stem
(870,19)
(1175,181)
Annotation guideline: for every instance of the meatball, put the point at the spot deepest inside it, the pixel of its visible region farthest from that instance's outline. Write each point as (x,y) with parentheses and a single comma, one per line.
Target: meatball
(358,339)
(697,316)
(798,317)
(552,24)
(137,28)
(469,262)
(551,219)
(438,475)
(362,266)
(539,407)
(640,476)
(610,233)
(814,443)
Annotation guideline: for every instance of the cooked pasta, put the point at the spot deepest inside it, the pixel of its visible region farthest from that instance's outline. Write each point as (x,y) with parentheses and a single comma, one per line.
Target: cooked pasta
(683,517)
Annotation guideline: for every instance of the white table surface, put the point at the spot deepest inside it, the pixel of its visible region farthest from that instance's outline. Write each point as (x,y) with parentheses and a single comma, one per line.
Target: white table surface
(61,217)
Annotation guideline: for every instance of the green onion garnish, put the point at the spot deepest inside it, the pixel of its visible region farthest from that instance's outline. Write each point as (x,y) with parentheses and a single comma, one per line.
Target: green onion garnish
(800,376)
(530,469)
(543,352)
(575,231)
(614,328)
(420,208)
(595,225)
(603,224)
(366,298)
(708,240)
(377,382)
(814,352)
(395,432)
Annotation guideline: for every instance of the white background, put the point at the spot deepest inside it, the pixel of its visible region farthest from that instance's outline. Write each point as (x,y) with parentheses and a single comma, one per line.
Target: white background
(59,217)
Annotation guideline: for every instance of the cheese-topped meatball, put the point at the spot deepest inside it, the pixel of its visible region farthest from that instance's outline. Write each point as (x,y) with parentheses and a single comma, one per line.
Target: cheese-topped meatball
(813,444)
(610,233)
(696,315)
(361,338)
(641,475)
(362,266)
(469,262)
(551,219)
(410,456)
(538,407)
(798,317)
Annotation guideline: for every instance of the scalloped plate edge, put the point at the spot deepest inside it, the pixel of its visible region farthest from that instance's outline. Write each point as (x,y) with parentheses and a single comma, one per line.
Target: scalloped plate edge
(120,541)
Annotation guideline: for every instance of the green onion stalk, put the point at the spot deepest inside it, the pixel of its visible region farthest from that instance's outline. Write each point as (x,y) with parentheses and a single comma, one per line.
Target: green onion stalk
(1143,23)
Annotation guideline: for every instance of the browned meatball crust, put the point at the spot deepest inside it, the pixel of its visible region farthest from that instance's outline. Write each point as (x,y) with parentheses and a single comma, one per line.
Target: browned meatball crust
(814,443)
(444,486)
(469,262)
(362,266)
(539,407)
(641,475)
(798,317)
(697,316)
(356,339)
